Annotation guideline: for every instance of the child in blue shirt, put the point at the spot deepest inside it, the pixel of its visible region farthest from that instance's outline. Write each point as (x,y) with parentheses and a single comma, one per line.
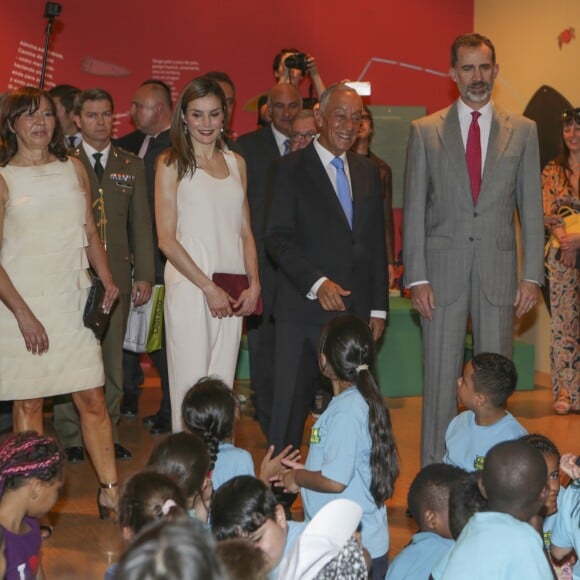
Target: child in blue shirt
(210,409)
(549,512)
(245,507)
(514,481)
(487,382)
(566,532)
(428,501)
(352,448)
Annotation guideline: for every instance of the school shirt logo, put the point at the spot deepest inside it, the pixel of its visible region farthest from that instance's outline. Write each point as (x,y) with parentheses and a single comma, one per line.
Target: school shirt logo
(478,462)
(315,436)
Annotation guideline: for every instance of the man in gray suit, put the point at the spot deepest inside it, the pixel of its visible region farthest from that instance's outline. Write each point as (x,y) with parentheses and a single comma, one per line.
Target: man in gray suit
(468,168)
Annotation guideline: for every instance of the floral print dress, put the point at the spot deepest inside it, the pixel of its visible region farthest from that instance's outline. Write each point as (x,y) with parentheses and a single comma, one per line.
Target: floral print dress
(564,291)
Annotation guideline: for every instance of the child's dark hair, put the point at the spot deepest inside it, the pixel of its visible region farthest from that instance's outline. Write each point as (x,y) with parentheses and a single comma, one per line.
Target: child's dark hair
(465,499)
(28,454)
(430,489)
(183,457)
(242,559)
(349,348)
(149,496)
(513,477)
(168,550)
(495,375)
(240,506)
(209,409)
(543,444)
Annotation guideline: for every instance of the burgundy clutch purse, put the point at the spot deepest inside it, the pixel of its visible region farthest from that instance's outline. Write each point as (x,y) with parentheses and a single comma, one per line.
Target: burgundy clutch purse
(234,285)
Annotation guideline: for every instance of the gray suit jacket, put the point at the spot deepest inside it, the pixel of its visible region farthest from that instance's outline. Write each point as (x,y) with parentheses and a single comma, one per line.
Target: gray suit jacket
(445,235)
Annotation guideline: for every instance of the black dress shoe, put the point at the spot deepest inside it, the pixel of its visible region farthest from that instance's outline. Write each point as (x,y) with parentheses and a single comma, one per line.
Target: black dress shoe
(121,453)
(129,407)
(150,419)
(75,454)
(160,427)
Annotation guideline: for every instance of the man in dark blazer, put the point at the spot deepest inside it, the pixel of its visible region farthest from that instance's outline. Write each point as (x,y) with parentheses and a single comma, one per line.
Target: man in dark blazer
(123,218)
(330,257)
(151,110)
(468,168)
(260,149)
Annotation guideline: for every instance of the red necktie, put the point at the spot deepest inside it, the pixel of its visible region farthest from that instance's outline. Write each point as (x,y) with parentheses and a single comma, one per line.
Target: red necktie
(473,156)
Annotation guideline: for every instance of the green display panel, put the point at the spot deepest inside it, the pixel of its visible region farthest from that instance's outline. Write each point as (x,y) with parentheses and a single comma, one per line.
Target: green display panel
(390,140)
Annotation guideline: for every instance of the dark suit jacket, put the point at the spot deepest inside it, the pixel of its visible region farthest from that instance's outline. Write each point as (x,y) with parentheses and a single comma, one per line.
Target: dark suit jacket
(131,141)
(308,237)
(260,150)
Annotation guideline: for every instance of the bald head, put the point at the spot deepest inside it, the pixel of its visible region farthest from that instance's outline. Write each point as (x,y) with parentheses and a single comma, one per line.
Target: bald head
(284,102)
(151,108)
(514,479)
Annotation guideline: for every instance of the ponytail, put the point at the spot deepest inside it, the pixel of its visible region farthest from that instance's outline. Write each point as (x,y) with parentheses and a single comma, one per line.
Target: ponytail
(384,455)
(347,342)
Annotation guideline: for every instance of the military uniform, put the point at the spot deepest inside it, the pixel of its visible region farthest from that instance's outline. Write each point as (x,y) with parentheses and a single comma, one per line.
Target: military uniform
(123,219)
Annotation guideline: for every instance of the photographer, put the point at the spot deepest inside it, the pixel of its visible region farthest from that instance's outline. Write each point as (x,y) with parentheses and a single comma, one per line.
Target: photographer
(291,66)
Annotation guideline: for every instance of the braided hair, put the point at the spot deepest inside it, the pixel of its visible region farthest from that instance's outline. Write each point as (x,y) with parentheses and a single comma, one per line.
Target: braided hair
(348,345)
(26,455)
(209,410)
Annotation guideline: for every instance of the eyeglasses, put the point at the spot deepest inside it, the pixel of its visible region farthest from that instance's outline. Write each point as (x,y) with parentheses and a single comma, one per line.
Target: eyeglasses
(571,116)
(307,136)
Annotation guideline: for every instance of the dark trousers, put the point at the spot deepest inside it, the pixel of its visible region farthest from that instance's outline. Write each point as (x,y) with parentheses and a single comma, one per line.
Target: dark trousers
(295,380)
(134,378)
(261,337)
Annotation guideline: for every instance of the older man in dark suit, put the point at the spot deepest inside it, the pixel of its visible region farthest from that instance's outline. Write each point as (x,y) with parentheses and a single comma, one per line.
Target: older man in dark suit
(325,232)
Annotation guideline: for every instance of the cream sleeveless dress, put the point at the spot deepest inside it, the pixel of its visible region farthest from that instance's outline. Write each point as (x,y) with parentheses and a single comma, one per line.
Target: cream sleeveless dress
(43,252)
(209,225)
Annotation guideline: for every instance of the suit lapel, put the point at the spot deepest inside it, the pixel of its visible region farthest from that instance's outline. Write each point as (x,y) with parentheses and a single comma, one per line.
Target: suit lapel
(499,137)
(271,143)
(322,182)
(450,135)
(358,184)
(94,182)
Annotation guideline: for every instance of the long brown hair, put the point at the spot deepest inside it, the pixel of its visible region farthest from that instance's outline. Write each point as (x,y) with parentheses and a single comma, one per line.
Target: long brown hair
(15,104)
(181,150)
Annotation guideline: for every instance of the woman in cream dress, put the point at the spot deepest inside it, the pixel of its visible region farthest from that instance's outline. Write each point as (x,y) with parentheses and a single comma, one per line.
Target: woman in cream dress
(203,224)
(48,238)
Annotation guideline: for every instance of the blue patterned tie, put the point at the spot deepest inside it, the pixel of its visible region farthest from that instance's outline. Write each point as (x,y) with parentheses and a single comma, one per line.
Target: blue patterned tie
(343,189)
(286,146)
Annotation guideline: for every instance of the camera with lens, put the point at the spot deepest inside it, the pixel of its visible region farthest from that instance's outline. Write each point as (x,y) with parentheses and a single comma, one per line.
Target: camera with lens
(297,60)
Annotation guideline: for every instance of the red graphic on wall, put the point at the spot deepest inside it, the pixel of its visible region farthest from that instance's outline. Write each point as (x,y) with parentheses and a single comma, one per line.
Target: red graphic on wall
(566,36)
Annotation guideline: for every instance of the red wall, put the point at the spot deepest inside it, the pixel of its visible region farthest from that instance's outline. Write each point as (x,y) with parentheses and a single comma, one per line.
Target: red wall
(242,38)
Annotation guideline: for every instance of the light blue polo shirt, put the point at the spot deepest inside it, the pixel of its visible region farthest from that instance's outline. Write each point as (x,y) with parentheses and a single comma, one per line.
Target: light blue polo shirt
(340,447)
(418,558)
(467,443)
(231,461)
(566,530)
